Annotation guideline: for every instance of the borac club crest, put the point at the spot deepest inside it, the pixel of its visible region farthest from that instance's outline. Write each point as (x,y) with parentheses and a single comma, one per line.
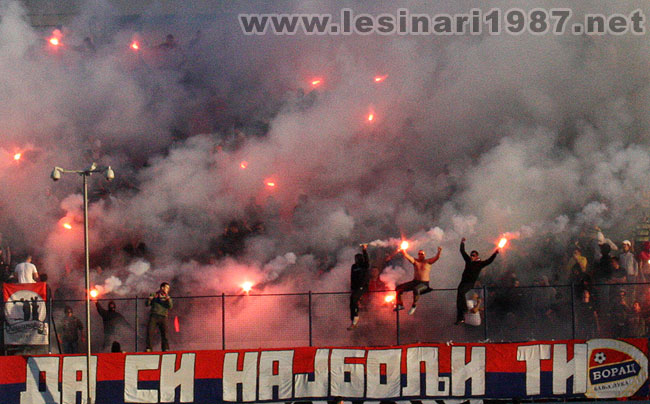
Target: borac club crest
(25,314)
(616,369)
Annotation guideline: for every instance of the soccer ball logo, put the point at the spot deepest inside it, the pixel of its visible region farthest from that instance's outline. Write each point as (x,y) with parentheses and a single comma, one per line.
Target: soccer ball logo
(600,358)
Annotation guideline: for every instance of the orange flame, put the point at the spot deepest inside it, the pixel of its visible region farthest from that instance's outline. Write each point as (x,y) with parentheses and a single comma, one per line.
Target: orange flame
(17,156)
(243,164)
(503,242)
(247,286)
(379,79)
(67,226)
(94,293)
(404,245)
(135,45)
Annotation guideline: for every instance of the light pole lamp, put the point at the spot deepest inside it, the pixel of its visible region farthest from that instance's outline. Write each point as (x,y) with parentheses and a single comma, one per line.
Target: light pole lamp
(109,174)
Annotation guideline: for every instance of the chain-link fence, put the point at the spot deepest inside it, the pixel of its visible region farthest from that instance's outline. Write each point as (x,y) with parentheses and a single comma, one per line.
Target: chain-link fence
(322,318)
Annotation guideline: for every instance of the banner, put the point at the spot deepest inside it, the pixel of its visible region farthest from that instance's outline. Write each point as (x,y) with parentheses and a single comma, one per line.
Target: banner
(599,368)
(25,313)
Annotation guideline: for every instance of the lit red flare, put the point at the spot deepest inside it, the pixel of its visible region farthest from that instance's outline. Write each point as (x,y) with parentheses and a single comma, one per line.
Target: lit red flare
(94,293)
(55,39)
(316,82)
(135,45)
(502,242)
(17,156)
(243,165)
(389,298)
(270,184)
(67,226)
(247,286)
(379,79)
(371,117)
(404,245)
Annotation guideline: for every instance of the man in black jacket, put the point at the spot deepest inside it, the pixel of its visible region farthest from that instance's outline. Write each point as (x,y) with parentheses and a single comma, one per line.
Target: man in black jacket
(473,267)
(112,323)
(359,278)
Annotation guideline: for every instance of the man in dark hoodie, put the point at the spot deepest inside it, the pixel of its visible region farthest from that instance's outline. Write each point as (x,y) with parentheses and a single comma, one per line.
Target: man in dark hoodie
(473,267)
(358,283)
(112,321)
(160,303)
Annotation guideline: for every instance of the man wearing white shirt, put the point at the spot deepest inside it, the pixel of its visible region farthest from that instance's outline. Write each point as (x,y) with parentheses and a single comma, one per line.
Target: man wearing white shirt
(25,272)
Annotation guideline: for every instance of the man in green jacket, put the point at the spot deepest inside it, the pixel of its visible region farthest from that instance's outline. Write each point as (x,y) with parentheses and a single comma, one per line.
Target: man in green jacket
(160,303)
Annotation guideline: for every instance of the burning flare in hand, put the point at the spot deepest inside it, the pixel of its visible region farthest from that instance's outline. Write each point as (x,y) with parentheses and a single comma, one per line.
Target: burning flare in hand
(502,242)
(404,245)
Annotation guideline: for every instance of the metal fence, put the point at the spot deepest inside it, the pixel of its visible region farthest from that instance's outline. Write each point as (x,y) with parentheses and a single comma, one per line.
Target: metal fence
(321,318)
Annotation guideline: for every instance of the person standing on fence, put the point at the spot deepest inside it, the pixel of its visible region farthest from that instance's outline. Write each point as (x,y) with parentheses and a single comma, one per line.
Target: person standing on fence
(358,283)
(473,267)
(420,283)
(160,303)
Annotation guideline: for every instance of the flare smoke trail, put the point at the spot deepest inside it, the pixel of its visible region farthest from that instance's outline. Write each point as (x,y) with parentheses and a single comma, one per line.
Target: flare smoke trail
(471,136)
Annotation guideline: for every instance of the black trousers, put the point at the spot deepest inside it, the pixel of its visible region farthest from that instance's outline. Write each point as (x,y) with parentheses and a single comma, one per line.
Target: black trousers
(355,296)
(418,288)
(461,301)
(160,322)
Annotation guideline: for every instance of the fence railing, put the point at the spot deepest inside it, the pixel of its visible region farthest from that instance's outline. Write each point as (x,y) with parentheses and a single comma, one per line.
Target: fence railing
(321,318)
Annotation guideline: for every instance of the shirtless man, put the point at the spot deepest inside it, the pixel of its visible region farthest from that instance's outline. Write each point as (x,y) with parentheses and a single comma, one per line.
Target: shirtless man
(420,282)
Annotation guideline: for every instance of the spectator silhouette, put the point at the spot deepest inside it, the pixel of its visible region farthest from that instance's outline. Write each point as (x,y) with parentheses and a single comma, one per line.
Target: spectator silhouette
(35,308)
(26,309)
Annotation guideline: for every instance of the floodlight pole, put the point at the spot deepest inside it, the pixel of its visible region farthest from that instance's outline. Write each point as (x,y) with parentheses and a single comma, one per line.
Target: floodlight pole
(87,274)
(56,175)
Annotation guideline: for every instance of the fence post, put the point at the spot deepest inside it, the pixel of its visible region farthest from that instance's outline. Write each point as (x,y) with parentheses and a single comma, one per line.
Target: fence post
(485,310)
(573,311)
(136,323)
(223,321)
(49,321)
(310,321)
(397,325)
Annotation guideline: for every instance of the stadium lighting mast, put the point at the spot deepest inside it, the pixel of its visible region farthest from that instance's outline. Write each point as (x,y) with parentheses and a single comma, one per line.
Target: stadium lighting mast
(85,173)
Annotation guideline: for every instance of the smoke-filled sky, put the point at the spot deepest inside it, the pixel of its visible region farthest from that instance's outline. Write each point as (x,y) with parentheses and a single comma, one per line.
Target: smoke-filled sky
(541,136)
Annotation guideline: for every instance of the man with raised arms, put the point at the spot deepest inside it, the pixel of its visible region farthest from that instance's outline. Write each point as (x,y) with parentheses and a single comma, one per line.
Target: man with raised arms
(420,282)
(473,267)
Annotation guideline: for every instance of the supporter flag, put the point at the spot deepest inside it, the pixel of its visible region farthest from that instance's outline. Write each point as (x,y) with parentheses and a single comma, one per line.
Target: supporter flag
(25,313)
